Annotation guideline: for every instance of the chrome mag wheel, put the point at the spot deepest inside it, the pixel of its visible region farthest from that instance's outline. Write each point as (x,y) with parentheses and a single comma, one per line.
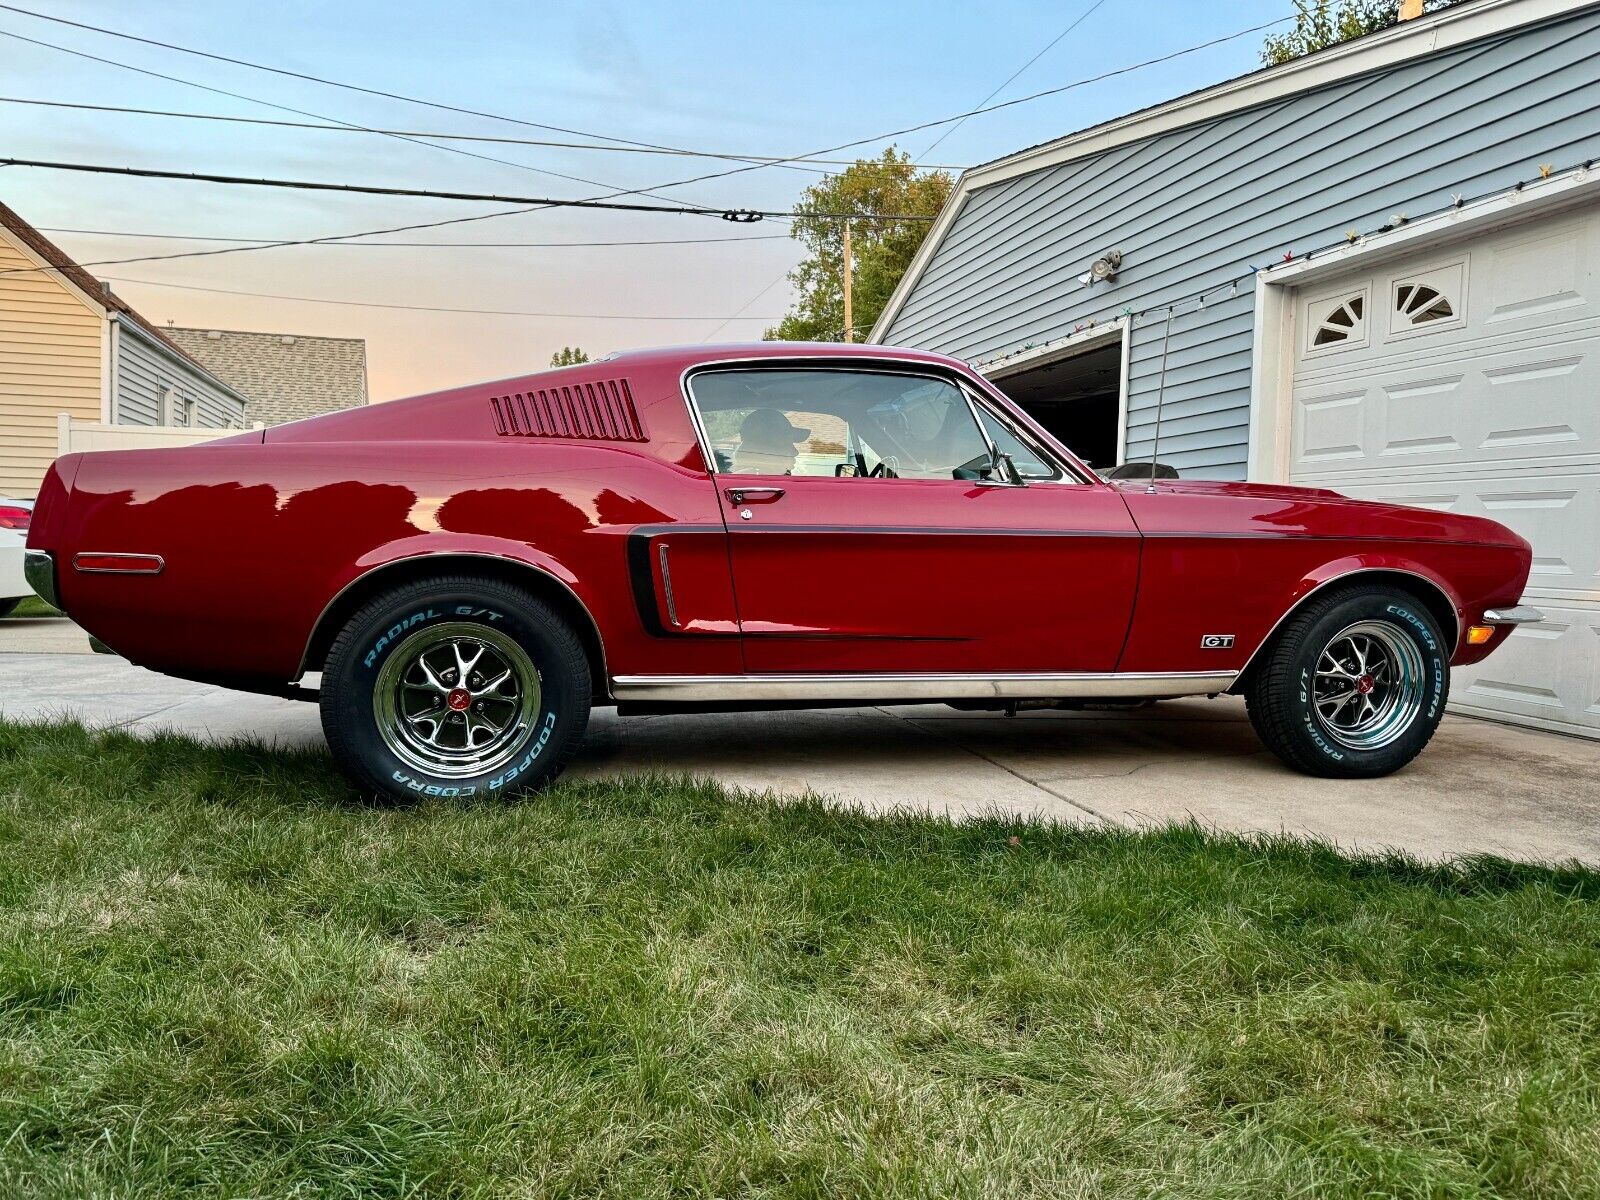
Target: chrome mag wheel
(1369,686)
(457,699)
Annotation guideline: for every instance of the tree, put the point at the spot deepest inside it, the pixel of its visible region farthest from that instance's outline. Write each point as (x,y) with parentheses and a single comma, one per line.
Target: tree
(881,246)
(1319,24)
(568,356)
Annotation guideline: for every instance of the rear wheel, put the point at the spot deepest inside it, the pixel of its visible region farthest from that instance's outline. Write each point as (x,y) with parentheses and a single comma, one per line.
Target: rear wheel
(1354,685)
(455,687)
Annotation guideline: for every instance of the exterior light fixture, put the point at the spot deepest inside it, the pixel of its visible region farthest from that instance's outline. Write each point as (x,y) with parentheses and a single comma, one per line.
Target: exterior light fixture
(1103,269)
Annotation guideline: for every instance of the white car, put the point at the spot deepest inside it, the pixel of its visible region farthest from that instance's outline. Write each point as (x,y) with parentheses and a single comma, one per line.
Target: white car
(14,518)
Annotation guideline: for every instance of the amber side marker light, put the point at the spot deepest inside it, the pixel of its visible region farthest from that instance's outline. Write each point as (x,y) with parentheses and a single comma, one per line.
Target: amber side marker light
(1477,635)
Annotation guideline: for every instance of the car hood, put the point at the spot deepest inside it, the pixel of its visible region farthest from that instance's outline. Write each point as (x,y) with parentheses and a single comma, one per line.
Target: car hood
(1216,506)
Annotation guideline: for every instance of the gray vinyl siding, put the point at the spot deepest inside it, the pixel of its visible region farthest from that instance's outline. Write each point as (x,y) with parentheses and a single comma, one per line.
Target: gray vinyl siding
(144,367)
(1194,207)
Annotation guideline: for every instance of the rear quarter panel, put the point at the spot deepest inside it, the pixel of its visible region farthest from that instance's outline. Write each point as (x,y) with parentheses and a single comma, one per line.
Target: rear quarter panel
(257,539)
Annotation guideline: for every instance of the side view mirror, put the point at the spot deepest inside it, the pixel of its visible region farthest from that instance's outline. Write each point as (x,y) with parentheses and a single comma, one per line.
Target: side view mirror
(1001,471)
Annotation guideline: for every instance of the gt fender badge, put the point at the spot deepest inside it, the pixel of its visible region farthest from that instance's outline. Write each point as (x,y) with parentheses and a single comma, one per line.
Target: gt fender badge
(1216,641)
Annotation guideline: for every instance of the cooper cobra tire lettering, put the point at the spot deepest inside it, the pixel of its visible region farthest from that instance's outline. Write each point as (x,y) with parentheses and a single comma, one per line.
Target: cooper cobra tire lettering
(538,748)
(361,649)
(1280,692)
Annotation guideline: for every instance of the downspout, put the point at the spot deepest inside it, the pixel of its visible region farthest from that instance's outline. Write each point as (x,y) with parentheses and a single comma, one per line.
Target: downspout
(113,389)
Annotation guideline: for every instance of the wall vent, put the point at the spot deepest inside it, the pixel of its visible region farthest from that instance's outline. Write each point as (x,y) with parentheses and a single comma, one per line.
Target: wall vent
(600,410)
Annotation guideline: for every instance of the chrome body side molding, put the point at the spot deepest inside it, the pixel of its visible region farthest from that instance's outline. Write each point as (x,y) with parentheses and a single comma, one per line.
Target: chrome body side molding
(1521,614)
(1067,686)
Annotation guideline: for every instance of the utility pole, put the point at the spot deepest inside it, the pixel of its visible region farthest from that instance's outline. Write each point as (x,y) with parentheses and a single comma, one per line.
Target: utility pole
(849,320)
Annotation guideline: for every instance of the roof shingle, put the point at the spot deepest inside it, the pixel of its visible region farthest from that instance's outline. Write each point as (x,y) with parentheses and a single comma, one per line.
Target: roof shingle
(285,376)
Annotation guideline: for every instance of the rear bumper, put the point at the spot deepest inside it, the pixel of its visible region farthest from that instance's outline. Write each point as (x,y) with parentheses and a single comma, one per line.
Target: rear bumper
(39,567)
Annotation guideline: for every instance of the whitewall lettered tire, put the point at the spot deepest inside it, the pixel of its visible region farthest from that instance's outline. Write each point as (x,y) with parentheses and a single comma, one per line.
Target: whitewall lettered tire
(455,687)
(1353,685)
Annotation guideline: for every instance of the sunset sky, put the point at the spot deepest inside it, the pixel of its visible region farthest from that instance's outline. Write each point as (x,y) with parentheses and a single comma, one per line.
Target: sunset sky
(739,78)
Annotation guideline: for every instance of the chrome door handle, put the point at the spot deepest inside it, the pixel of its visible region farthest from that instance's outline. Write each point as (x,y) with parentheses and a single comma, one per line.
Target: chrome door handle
(754,495)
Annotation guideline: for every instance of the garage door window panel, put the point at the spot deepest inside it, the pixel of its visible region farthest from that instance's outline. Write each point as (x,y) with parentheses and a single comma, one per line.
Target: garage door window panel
(1428,302)
(1336,322)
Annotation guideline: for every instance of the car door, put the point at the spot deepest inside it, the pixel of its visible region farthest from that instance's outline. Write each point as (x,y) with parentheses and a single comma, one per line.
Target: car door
(866,534)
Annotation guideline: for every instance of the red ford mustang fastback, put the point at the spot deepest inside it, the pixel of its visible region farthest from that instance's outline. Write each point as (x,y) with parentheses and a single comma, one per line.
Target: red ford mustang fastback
(763,526)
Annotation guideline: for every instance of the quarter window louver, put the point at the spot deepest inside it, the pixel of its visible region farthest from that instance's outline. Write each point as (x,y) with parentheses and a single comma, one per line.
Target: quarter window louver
(599,410)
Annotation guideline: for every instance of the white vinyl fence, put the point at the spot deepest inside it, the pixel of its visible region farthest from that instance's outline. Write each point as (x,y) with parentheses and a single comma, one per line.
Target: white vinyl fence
(75,436)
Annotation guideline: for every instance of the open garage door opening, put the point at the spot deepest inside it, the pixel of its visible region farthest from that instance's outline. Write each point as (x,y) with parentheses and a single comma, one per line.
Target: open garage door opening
(1077,397)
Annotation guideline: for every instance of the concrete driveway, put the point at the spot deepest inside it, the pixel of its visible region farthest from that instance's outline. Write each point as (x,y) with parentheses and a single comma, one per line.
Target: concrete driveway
(1479,788)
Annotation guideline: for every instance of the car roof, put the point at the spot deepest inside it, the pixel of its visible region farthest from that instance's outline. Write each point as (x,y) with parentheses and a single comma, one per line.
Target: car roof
(683,357)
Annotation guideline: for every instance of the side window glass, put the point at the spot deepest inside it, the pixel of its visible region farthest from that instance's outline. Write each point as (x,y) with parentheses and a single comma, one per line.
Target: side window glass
(1031,464)
(843,423)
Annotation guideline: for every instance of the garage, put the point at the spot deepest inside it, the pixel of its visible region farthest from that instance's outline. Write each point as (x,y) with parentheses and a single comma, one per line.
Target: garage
(1465,375)
(1371,268)
(1076,392)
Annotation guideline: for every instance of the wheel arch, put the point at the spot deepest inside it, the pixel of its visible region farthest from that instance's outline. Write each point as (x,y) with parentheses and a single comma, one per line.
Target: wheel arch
(1427,590)
(416,568)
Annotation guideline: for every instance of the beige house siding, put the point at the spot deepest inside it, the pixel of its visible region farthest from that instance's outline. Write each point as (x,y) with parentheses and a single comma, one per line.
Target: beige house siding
(50,363)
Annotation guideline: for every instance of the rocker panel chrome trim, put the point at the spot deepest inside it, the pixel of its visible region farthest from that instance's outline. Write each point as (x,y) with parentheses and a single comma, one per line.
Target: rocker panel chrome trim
(1074,686)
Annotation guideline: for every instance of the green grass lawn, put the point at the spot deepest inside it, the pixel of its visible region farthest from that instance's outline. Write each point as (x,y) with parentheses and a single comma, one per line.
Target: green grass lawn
(33,606)
(220,974)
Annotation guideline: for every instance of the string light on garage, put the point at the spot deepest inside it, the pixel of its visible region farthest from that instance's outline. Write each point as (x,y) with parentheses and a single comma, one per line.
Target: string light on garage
(1194,303)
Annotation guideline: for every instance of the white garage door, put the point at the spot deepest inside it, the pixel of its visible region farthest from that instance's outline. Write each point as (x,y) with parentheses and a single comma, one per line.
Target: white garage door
(1468,379)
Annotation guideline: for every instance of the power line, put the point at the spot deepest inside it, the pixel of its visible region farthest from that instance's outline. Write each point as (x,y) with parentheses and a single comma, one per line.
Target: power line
(737,215)
(739,313)
(240,62)
(485,312)
(843,146)
(988,108)
(351,125)
(1012,78)
(455,137)
(768,162)
(262,241)
(740,215)
(333,238)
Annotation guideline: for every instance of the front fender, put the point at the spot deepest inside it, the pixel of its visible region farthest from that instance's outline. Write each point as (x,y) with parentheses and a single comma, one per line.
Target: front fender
(1351,568)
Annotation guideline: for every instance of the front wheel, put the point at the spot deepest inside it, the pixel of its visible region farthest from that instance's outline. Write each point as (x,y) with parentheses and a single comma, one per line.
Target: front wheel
(455,687)
(1353,686)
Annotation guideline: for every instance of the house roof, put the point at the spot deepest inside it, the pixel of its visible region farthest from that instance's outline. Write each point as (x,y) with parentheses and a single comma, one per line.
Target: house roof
(96,290)
(1442,30)
(286,376)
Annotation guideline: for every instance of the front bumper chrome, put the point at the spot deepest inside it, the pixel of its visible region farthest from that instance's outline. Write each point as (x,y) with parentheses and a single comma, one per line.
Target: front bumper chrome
(39,569)
(1522,614)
